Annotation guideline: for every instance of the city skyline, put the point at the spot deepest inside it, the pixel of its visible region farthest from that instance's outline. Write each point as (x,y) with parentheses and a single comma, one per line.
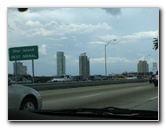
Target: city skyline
(64,29)
(142,67)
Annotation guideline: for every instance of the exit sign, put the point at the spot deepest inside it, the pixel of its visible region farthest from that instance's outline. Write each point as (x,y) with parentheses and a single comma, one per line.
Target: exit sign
(23,53)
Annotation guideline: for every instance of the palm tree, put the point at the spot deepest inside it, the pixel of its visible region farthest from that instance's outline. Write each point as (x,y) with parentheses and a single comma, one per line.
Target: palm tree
(155,42)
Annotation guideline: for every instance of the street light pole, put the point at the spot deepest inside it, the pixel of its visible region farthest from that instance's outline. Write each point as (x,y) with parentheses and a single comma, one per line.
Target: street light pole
(106,56)
(146,57)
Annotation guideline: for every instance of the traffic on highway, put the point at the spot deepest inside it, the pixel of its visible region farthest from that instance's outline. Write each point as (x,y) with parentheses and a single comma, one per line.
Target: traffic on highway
(83,64)
(125,98)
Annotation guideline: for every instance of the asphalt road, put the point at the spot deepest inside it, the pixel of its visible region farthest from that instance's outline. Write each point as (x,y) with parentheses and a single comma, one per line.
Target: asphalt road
(132,95)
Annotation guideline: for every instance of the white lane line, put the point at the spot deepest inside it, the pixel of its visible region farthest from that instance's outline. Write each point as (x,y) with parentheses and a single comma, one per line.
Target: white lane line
(92,95)
(154,98)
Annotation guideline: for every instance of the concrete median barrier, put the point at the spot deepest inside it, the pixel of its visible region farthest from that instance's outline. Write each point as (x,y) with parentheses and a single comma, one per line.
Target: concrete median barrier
(64,85)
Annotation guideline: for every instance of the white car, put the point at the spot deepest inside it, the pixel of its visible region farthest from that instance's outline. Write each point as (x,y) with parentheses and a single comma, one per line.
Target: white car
(131,77)
(23,98)
(62,78)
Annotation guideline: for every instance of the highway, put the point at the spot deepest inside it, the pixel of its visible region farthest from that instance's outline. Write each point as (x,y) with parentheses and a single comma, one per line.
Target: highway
(128,95)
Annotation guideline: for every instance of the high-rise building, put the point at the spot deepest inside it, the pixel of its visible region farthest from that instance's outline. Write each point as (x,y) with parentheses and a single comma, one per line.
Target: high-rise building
(61,66)
(84,66)
(142,66)
(19,69)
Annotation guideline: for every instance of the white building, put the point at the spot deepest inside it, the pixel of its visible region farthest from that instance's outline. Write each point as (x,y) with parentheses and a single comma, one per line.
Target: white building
(19,69)
(142,66)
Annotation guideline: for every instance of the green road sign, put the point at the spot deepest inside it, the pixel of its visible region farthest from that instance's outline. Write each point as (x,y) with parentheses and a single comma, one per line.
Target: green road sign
(23,53)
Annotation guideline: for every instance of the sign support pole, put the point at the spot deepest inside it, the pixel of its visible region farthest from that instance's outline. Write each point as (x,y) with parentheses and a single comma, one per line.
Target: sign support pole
(16,72)
(33,71)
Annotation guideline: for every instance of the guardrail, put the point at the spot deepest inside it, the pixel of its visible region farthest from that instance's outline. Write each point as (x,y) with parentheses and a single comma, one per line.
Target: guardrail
(71,84)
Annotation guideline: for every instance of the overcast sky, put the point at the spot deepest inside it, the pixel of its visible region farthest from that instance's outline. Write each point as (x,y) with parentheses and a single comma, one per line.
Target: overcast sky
(79,30)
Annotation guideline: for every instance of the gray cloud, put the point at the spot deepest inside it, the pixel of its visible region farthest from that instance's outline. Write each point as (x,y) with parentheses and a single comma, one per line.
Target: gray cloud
(113,11)
(10,28)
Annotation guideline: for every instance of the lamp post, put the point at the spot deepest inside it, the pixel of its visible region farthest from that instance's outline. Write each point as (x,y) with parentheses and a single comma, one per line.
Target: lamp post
(106,56)
(146,57)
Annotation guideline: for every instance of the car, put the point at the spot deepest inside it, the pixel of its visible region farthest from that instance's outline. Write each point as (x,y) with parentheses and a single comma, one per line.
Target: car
(77,78)
(47,43)
(19,80)
(62,78)
(120,78)
(131,77)
(23,98)
(151,79)
(94,78)
(155,81)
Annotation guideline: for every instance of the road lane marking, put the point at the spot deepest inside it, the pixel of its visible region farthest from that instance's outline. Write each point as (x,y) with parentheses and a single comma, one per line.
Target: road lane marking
(154,98)
(151,99)
(92,95)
